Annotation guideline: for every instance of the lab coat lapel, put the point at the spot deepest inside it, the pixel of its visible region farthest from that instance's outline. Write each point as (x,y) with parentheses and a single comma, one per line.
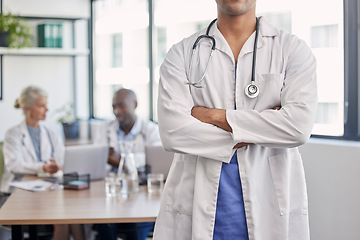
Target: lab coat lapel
(265,30)
(45,146)
(249,45)
(27,141)
(221,43)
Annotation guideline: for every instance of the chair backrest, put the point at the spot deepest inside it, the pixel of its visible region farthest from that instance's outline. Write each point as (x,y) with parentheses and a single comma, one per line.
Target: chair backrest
(1,160)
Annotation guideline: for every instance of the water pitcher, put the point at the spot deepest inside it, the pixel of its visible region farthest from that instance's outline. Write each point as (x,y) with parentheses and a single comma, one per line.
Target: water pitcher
(127,170)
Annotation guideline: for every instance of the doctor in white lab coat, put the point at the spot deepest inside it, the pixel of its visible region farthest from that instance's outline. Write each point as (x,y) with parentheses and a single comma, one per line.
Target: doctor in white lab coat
(31,148)
(20,157)
(21,154)
(206,126)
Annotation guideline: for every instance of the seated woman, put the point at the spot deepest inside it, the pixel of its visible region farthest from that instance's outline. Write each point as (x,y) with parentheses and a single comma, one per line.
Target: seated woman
(31,148)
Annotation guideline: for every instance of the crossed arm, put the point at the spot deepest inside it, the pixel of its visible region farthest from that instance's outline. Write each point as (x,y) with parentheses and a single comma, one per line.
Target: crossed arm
(216,117)
(213,116)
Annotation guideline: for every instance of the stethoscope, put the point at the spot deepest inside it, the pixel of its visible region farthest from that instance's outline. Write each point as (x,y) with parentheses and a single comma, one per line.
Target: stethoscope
(251,90)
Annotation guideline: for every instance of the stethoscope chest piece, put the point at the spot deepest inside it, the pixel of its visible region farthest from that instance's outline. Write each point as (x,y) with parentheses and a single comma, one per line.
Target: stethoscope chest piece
(251,90)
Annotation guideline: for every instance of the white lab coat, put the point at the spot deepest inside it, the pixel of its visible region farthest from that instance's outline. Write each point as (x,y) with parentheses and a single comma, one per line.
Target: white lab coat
(271,170)
(20,156)
(146,135)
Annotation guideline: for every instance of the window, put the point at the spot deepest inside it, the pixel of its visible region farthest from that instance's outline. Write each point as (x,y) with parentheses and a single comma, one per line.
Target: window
(323,32)
(281,20)
(122,50)
(173,21)
(120,53)
(161,45)
(117,50)
(324,36)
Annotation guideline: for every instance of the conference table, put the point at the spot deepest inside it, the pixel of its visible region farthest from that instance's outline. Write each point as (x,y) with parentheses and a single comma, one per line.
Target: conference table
(76,207)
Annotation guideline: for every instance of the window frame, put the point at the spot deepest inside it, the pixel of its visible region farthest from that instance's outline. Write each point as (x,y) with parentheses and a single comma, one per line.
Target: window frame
(351,73)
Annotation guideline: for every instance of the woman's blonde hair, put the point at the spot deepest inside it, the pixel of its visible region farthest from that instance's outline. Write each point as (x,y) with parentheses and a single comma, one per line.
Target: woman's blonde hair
(28,97)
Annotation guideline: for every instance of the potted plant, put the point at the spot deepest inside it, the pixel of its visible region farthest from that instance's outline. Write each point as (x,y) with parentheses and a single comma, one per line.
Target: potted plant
(14,31)
(69,121)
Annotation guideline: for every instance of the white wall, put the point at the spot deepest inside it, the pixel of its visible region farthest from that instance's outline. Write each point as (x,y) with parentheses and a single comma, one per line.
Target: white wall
(332,170)
(54,74)
(49,8)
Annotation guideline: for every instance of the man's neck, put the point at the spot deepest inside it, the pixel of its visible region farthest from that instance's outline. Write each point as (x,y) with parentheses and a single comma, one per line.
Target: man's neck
(237,26)
(126,128)
(236,29)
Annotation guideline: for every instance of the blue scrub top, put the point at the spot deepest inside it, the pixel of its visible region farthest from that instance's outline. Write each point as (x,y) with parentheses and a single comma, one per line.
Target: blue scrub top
(230,221)
(35,138)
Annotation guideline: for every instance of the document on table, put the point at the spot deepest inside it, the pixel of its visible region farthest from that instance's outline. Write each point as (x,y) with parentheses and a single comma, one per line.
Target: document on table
(36,185)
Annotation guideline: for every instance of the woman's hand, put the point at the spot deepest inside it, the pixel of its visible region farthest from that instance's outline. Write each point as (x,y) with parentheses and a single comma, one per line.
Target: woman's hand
(51,167)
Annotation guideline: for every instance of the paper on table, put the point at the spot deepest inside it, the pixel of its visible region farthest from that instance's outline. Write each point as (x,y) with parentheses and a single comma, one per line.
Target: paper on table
(35,185)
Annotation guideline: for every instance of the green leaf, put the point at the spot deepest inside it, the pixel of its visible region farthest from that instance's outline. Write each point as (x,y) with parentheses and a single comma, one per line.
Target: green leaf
(20,34)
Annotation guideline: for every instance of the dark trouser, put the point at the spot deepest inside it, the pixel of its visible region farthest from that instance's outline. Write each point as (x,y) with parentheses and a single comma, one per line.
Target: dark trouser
(129,231)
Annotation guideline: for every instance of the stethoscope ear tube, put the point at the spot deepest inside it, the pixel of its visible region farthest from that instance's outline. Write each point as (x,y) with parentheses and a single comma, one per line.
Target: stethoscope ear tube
(197,83)
(251,90)
(204,36)
(254,52)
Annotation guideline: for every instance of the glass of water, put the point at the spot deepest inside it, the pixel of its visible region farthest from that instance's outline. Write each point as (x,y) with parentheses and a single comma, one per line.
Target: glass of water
(112,185)
(155,182)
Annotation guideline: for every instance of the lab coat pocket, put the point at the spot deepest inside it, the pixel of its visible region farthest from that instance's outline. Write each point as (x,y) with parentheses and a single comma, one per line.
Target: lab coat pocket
(180,185)
(288,176)
(270,86)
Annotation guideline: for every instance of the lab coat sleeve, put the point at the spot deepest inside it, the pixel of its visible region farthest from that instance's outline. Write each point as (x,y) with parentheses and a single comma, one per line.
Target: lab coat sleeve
(59,148)
(291,126)
(14,158)
(179,131)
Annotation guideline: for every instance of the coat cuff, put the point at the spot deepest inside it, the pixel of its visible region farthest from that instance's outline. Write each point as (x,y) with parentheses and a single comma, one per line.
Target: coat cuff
(39,167)
(236,132)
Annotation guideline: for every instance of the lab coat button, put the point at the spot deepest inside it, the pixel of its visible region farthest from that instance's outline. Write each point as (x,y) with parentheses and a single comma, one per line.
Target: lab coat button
(229,104)
(209,208)
(213,172)
(231,68)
